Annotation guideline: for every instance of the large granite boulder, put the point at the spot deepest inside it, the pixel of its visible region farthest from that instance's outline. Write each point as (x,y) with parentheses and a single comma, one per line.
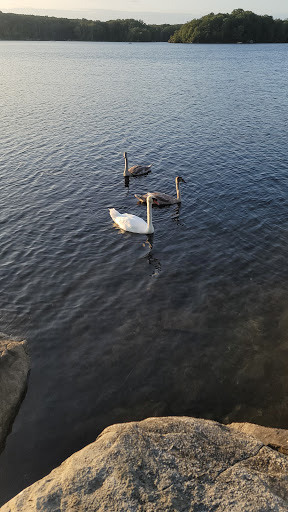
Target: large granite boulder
(276,438)
(164,464)
(14,368)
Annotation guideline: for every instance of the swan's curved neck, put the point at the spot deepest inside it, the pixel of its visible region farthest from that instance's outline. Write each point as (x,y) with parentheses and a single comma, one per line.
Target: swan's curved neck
(178,190)
(126,173)
(150,228)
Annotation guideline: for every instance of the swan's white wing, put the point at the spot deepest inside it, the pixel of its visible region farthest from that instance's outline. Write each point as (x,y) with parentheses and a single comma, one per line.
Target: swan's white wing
(132,223)
(129,222)
(114,214)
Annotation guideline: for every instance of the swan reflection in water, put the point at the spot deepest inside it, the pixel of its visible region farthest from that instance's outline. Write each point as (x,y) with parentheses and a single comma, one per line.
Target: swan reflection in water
(176,215)
(126,181)
(155,262)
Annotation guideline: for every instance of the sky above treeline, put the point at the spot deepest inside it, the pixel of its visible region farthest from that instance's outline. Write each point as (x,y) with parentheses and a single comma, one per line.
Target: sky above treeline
(150,11)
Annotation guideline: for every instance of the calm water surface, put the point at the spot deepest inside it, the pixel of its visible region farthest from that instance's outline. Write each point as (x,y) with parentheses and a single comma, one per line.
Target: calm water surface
(190,321)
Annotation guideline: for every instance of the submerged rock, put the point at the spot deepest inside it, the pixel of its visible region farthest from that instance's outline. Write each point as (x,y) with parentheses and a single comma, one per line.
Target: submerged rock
(14,368)
(164,464)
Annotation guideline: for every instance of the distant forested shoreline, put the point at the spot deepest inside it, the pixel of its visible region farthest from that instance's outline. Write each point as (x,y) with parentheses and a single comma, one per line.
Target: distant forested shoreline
(44,28)
(238,27)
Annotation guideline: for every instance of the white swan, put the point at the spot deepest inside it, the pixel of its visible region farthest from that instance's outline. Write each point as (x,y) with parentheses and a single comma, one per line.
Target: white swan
(164,199)
(132,223)
(136,170)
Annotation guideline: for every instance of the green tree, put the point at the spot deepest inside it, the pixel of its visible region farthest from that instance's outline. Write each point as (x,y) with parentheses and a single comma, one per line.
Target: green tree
(239,26)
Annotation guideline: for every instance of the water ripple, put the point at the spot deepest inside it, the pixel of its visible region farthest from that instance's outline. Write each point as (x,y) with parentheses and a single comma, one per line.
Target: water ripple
(192,320)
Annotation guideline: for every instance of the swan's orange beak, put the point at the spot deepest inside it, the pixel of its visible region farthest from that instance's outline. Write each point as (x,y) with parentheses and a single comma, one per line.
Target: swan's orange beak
(155,201)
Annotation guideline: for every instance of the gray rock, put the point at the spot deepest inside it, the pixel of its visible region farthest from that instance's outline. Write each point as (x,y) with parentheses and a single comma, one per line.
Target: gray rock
(164,464)
(14,368)
(276,438)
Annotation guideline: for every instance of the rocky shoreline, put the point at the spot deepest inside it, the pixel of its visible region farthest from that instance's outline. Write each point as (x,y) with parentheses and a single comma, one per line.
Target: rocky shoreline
(177,464)
(14,370)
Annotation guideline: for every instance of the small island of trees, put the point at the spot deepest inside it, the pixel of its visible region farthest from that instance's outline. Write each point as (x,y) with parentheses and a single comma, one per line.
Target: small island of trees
(238,27)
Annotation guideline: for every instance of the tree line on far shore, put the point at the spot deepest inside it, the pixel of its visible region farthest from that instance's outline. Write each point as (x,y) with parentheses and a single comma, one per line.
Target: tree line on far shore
(44,28)
(238,27)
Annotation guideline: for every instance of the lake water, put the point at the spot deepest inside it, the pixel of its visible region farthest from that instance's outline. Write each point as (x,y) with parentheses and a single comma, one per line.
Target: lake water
(190,321)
